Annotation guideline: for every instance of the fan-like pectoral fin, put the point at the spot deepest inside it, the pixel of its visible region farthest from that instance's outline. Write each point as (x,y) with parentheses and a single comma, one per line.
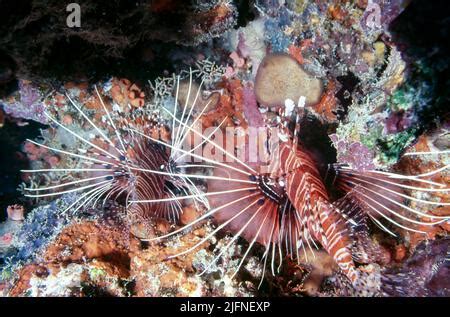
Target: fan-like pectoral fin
(389,198)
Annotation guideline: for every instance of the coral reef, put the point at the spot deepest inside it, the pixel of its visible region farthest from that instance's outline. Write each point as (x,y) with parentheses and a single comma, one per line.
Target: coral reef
(425,273)
(97,256)
(361,104)
(280,77)
(27,105)
(35,35)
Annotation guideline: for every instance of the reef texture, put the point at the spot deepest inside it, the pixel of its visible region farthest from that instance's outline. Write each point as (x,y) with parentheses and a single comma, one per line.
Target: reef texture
(36,34)
(372,96)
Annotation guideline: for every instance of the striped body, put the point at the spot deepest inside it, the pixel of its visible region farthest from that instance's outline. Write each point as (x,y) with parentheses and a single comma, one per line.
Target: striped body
(289,211)
(148,185)
(307,193)
(137,184)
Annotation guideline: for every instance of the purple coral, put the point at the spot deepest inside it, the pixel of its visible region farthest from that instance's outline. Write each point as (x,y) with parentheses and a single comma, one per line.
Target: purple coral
(399,121)
(29,105)
(40,227)
(355,154)
(425,273)
(242,47)
(251,110)
(379,14)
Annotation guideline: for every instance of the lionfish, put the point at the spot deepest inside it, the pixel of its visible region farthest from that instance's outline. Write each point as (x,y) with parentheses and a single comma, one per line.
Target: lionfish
(129,166)
(286,208)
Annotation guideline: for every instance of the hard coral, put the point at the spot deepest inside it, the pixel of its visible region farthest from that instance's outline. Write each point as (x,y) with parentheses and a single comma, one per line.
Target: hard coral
(156,277)
(355,154)
(280,77)
(98,256)
(86,246)
(75,279)
(93,240)
(40,227)
(27,103)
(425,273)
(230,107)
(125,93)
(327,107)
